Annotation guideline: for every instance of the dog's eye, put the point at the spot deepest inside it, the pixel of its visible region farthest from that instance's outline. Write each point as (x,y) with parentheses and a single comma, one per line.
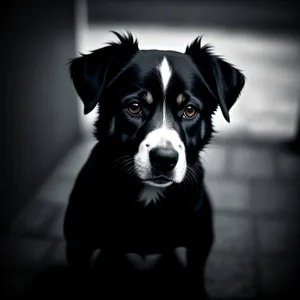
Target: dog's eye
(190,112)
(134,109)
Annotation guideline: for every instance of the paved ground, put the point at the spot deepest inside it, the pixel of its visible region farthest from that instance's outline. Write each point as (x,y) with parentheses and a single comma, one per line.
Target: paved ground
(254,184)
(255,190)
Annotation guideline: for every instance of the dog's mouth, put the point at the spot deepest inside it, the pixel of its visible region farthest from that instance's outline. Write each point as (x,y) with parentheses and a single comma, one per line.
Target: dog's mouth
(159,181)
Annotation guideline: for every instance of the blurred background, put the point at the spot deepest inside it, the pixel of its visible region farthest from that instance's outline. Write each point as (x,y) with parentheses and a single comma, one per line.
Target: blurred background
(252,165)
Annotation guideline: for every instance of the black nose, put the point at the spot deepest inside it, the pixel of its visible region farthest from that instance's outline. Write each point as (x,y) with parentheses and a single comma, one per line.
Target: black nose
(163,159)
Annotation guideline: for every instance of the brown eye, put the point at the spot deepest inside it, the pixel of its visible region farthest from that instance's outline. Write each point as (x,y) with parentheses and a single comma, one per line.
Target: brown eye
(190,112)
(134,109)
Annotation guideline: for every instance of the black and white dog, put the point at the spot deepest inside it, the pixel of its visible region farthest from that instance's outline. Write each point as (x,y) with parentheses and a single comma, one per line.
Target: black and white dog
(140,196)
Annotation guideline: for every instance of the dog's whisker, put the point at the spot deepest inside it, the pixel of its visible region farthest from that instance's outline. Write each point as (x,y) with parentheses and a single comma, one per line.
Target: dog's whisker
(186,179)
(131,171)
(121,161)
(137,86)
(192,177)
(125,165)
(192,174)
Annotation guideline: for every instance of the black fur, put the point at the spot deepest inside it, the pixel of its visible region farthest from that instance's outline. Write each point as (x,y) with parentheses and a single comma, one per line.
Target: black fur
(103,210)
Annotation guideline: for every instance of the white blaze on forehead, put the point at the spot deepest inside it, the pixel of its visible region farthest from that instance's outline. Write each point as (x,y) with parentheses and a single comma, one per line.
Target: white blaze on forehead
(165,74)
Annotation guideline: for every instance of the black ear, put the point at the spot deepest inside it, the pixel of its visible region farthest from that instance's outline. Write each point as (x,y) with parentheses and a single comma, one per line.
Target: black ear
(91,73)
(225,81)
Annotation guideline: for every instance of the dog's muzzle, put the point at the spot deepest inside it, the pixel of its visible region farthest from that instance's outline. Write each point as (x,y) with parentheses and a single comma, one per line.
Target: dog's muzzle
(160,160)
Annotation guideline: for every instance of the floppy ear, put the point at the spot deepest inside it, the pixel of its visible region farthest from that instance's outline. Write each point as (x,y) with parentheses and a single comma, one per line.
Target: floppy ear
(91,73)
(225,81)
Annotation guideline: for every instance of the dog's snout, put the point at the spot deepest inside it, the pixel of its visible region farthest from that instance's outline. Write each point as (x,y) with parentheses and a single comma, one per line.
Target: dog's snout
(163,158)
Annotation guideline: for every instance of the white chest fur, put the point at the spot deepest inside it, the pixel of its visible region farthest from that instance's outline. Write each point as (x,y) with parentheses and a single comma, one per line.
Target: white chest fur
(151,194)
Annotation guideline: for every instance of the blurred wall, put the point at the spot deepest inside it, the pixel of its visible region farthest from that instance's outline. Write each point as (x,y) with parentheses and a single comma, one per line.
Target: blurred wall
(39,119)
(259,36)
(239,14)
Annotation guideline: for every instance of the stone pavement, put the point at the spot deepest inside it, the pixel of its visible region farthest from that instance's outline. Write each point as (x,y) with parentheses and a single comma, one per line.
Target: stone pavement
(255,191)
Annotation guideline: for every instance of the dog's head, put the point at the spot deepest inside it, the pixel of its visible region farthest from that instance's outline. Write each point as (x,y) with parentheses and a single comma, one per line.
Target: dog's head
(155,106)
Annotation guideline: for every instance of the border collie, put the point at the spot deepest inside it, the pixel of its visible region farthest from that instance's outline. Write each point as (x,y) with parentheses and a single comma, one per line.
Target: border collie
(140,197)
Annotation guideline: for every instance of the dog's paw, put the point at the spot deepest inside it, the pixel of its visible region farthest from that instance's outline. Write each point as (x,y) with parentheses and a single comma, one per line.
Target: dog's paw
(181,255)
(143,264)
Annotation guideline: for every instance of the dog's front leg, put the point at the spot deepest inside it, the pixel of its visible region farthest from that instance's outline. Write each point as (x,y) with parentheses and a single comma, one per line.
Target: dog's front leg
(78,256)
(195,270)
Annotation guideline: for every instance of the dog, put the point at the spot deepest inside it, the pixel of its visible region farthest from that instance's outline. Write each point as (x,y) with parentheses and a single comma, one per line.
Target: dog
(141,193)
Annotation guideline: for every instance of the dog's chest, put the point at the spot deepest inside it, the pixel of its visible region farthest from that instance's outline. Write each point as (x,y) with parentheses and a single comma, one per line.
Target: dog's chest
(149,225)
